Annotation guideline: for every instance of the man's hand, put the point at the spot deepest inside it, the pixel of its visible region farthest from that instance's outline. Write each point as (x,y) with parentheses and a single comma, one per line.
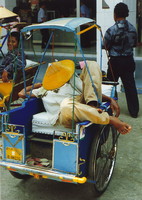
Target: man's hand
(22,93)
(5,76)
(115,108)
(113,104)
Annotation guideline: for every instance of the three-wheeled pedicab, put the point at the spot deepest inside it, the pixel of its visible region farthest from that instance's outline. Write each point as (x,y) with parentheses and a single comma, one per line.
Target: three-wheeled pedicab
(84,153)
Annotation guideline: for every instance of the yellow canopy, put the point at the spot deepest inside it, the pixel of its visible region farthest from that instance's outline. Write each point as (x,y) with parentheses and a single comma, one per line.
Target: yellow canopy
(5,13)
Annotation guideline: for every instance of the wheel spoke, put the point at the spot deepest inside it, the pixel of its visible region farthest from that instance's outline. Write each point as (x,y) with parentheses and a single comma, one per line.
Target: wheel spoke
(104,158)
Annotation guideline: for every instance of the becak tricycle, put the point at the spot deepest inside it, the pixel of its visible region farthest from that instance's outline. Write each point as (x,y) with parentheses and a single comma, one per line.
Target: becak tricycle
(82,154)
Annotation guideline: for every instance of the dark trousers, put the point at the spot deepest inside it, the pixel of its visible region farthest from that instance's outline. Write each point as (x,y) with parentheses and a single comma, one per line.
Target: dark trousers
(45,37)
(124,67)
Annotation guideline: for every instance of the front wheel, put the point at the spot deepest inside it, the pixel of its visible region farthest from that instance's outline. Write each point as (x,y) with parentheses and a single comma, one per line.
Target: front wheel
(103,158)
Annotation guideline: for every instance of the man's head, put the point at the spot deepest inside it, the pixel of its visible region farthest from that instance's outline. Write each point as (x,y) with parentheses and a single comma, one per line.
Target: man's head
(82,2)
(13,41)
(42,4)
(121,11)
(57,74)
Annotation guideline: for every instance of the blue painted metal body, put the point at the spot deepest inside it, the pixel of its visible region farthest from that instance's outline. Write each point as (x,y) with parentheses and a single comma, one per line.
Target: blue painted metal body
(11,142)
(67,156)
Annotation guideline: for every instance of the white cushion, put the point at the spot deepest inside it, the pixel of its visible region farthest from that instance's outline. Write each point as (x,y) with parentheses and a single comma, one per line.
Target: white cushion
(40,125)
(30,63)
(107,89)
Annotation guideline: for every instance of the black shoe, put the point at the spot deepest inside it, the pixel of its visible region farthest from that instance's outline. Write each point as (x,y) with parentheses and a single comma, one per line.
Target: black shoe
(134,115)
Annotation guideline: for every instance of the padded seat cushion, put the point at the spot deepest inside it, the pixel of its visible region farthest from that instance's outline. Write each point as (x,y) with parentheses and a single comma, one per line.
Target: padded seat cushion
(30,63)
(40,125)
(107,90)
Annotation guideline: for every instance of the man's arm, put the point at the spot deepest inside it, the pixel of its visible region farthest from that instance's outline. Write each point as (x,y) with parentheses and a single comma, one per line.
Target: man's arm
(113,104)
(23,93)
(107,40)
(12,60)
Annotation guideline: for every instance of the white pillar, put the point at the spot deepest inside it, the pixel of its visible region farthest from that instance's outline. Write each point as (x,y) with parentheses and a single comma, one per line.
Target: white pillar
(77,8)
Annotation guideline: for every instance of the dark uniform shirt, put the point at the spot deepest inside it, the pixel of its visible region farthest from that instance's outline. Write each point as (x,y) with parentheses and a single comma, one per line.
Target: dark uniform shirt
(120,39)
(11,63)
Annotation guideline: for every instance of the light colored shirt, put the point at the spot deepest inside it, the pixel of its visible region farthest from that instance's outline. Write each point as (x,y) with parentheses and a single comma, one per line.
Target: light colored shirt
(41,15)
(12,62)
(53,98)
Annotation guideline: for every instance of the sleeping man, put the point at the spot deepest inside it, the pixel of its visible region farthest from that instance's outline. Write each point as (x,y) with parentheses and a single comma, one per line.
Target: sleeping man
(67,97)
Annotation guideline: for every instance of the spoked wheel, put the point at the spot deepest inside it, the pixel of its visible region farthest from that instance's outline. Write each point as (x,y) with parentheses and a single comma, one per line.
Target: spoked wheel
(103,158)
(19,176)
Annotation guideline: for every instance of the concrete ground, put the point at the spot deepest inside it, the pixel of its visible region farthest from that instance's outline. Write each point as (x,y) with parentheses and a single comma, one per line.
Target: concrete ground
(126,183)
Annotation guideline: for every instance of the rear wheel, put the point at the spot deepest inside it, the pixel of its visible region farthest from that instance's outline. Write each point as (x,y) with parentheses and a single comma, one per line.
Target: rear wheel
(103,158)
(19,176)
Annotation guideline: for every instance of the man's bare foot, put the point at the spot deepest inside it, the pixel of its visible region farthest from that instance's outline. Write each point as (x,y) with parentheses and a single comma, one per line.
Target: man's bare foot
(122,127)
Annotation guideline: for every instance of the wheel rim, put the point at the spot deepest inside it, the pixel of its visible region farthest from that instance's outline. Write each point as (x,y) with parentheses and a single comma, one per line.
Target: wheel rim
(105,158)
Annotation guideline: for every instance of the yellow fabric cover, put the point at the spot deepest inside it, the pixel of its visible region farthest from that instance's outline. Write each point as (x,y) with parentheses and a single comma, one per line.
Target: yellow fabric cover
(58,73)
(5,90)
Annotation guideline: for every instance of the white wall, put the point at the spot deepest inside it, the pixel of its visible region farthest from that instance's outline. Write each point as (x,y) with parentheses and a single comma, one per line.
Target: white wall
(10,4)
(2,2)
(132,5)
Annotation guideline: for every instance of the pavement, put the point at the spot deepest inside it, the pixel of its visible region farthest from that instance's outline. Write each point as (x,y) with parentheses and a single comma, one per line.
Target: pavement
(126,183)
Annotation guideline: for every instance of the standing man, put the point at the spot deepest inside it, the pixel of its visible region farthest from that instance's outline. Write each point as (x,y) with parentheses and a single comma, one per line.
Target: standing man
(119,40)
(42,17)
(84,10)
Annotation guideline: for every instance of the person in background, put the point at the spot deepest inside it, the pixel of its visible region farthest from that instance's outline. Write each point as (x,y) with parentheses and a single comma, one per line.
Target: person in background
(85,37)
(16,20)
(84,10)
(119,40)
(25,13)
(12,59)
(42,17)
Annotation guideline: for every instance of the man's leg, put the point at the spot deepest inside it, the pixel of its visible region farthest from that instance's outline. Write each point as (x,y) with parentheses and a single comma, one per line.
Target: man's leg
(84,112)
(88,91)
(128,81)
(124,68)
(113,69)
(45,37)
